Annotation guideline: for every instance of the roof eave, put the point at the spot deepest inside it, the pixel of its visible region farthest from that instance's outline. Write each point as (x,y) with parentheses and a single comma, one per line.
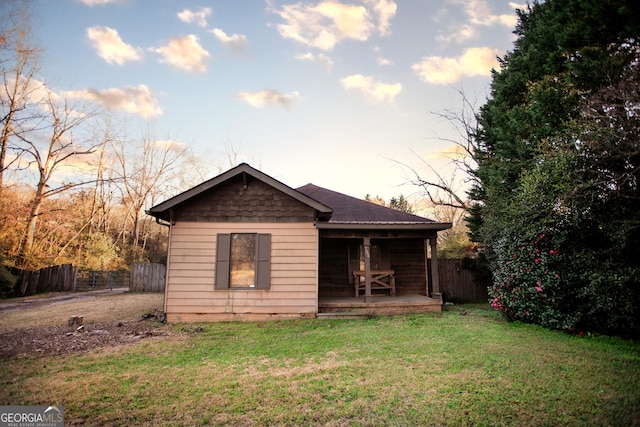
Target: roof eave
(437,226)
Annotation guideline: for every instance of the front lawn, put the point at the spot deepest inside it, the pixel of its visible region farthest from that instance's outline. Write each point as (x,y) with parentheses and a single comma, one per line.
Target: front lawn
(464,367)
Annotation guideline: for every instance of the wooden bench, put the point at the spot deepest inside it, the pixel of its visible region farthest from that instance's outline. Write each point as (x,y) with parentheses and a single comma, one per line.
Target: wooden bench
(380,280)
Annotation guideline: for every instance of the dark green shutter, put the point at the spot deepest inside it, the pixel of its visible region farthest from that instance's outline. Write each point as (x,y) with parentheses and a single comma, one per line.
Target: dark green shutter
(263,261)
(223,258)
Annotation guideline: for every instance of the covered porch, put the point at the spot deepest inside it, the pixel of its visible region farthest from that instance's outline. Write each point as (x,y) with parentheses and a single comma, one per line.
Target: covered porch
(378,271)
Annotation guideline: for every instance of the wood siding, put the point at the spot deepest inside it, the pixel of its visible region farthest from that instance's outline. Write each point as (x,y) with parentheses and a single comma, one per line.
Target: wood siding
(190,291)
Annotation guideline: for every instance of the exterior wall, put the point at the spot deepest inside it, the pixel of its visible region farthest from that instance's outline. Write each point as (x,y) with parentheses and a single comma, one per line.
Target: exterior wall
(190,294)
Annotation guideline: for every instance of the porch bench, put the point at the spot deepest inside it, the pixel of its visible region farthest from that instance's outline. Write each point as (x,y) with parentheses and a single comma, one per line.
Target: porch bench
(377,281)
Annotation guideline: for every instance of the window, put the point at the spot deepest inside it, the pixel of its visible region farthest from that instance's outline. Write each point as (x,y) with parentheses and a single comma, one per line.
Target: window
(243,261)
(242,268)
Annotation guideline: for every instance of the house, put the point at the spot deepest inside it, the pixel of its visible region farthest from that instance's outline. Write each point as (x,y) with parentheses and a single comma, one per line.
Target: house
(245,246)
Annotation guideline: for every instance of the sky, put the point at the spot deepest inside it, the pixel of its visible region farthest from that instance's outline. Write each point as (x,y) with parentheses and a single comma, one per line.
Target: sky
(338,93)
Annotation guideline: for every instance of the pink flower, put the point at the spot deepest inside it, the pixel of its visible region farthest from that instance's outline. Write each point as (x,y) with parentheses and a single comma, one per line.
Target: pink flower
(553,252)
(537,260)
(557,275)
(527,312)
(538,288)
(542,236)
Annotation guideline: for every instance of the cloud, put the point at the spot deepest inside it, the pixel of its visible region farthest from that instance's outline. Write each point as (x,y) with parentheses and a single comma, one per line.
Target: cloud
(236,42)
(99,2)
(320,58)
(384,61)
(328,22)
(479,13)
(377,91)
(476,61)
(185,53)
(452,152)
(260,99)
(133,99)
(384,10)
(459,34)
(168,145)
(199,17)
(110,46)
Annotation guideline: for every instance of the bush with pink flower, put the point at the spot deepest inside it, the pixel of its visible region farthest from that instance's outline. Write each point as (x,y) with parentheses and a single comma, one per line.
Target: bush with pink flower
(528,284)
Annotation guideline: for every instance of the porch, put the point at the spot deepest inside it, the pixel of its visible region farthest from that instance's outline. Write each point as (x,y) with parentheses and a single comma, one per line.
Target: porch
(379,305)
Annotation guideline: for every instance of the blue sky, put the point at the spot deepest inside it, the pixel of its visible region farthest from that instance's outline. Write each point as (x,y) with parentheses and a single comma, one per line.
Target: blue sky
(323,91)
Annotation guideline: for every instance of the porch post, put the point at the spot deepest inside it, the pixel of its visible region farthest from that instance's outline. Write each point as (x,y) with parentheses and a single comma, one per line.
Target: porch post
(435,278)
(367,269)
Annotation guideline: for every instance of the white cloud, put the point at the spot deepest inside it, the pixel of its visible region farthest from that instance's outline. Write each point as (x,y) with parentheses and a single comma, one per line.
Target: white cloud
(458,34)
(320,58)
(479,13)
(199,17)
(110,46)
(374,90)
(168,145)
(328,22)
(132,99)
(236,42)
(99,2)
(384,61)
(384,10)
(185,53)
(477,61)
(264,97)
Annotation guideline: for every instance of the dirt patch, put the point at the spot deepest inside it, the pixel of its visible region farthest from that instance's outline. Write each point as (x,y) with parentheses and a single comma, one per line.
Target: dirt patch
(40,326)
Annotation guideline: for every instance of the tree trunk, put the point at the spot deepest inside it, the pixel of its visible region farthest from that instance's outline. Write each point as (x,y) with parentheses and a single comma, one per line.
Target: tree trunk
(32,222)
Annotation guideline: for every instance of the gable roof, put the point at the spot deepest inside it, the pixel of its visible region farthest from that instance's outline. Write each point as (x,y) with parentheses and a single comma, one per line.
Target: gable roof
(160,210)
(351,212)
(335,210)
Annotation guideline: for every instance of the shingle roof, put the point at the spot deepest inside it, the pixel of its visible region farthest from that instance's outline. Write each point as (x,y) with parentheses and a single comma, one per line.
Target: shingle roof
(349,210)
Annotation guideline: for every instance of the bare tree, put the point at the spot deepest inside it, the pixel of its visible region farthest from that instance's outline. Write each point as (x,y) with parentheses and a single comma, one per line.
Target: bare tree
(19,62)
(48,145)
(443,190)
(141,171)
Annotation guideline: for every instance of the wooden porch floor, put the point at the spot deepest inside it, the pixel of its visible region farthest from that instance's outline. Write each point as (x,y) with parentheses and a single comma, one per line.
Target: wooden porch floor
(380,305)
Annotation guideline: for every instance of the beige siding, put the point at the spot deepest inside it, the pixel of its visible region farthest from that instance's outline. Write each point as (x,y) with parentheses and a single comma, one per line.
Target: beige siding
(190,293)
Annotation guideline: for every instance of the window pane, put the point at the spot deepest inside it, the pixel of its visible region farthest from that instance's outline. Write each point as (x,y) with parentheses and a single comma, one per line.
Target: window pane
(243,261)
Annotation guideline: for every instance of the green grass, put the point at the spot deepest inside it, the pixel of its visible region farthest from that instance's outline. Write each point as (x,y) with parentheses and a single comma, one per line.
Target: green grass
(448,369)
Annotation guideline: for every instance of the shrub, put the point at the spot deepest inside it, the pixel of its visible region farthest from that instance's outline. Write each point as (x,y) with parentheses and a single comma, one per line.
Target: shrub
(528,284)
(7,282)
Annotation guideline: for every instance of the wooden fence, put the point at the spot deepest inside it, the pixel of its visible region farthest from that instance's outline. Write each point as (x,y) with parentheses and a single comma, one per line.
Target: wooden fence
(460,284)
(50,279)
(147,277)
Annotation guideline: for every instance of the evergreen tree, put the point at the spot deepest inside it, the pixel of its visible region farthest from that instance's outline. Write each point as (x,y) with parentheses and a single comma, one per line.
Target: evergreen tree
(559,167)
